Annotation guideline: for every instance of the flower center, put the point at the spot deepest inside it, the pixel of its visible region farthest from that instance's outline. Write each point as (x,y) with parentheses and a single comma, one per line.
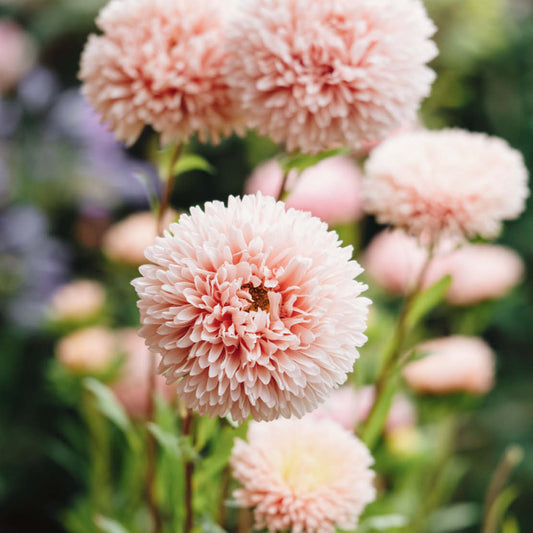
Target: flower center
(259,297)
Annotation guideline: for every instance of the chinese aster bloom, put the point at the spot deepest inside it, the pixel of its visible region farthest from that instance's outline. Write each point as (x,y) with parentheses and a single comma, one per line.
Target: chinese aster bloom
(253,308)
(330,190)
(159,63)
(126,241)
(77,300)
(17,54)
(304,475)
(133,385)
(482,272)
(450,182)
(452,364)
(87,350)
(316,74)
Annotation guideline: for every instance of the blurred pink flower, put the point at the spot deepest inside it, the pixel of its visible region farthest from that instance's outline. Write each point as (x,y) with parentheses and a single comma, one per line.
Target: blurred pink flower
(342,406)
(448,182)
(453,364)
(254,309)
(159,63)
(482,272)
(126,241)
(87,350)
(17,54)
(303,475)
(77,300)
(316,74)
(132,386)
(330,190)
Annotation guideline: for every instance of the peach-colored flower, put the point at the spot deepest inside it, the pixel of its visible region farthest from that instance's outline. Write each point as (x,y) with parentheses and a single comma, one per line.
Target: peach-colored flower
(133,385)
(315,74)
(255,308)
(449,182)
(330,190)
(304,475)
(482,272)
(126,241)
(453,364)
(77,300)
(160,63)
(87,350)
(17,54)
(341,406)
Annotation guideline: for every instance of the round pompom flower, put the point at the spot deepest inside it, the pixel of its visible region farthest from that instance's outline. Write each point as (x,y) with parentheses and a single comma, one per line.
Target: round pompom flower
(452,364)
(78,300)
(159,63)
(450,182)
(304,475)
(315,74)
(330,190)
(253,308)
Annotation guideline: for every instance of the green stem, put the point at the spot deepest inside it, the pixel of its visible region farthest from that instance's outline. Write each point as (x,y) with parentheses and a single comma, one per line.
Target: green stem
(187,431)
(283,192)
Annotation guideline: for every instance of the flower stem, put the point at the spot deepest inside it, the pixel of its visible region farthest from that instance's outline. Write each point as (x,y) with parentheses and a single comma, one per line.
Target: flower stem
(187,431)
(169,181)
(283,188)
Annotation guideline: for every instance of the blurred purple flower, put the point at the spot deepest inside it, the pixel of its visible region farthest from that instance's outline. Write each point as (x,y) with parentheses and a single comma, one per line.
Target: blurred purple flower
(32,265)
(38,89)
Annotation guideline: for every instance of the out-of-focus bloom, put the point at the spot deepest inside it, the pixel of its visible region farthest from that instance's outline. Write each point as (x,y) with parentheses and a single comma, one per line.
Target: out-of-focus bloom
(316,74)
(126,241)
(160,63)
(453,364)
(342,406)
(133,385)
(255,308)
(88,350)
(330,190)
(38,89)
(482,272)
(303,475)
(449,182)
(17,54)
(394,260)
(32,265)
(78,300)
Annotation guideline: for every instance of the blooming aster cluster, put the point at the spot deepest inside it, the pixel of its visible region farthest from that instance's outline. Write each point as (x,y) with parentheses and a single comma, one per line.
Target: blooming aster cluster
(315,74)
(304,475)
(255,309)
(448,182)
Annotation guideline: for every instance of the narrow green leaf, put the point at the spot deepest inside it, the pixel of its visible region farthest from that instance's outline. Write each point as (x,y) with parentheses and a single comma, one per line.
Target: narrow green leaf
(205,429)
(427,300)
(299,162)
(107,525)
(384,523)
(454,518)
(188,162)
(168,441)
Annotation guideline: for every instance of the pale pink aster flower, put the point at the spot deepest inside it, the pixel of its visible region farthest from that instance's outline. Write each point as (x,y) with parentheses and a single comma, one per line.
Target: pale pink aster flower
(449,182)
(482,272)
(77,300)
(160,63)
(315,74)
(342,406)
(87,350)
(307,475)
(453,364)
(133,385)
(253,308)
(330,190)
(17,54)
(125,241)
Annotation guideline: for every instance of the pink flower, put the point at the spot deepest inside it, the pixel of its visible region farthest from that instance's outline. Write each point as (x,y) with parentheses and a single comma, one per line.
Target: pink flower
(303,475)
(453,364)
(160,63)
(315,74)
(394,260)
(253,308)
(126,241)
(17,54)
(482,272)
(78,300)
(330,190)
(132,387)
(342,406)
(87,350)
(449,182)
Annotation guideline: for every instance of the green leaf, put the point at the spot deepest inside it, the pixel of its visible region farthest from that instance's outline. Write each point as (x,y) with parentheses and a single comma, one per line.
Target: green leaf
(500,507)
(299,162)
(188,162)
(384,523)
(208,526)
(427,300)
(107,525)
(168,441)
(454,518)
(205,429)
(149,188)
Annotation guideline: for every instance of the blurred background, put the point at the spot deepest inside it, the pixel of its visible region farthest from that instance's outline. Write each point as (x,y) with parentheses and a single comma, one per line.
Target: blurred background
(64,182)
